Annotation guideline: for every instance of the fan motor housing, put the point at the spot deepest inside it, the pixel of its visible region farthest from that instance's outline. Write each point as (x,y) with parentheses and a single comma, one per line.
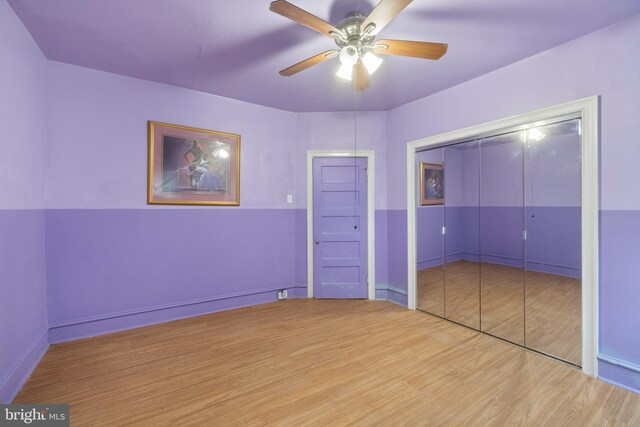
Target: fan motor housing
(350,26)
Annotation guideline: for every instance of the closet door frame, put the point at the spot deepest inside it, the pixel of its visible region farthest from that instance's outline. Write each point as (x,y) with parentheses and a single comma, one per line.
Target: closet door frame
(586,109)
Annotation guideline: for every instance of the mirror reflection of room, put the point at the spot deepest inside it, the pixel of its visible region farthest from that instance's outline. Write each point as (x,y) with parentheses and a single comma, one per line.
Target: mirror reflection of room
(501,252)
(553,220)
(462,270)
(501,235)
(430,250)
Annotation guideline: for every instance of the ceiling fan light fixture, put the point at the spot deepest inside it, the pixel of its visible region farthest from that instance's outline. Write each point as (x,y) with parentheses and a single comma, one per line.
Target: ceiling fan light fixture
(354,36)
(372,62)
(349,56)
(345,71)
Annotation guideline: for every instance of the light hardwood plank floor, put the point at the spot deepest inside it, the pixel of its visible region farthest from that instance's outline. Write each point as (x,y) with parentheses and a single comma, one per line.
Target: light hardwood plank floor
(315,362)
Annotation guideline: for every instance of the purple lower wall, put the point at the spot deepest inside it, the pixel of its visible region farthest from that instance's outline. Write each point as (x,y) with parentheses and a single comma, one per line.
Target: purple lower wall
(140,265)
(385,289)
(114,269)
(397,249)
(301,247)
(620,297)
(23,305)
(382,258)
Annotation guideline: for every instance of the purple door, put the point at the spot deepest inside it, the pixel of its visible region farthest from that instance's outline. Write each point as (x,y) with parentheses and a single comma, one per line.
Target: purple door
(340,227)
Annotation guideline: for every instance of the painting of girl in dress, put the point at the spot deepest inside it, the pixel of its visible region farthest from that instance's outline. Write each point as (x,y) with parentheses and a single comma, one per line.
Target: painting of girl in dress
(431,184)
(192,166)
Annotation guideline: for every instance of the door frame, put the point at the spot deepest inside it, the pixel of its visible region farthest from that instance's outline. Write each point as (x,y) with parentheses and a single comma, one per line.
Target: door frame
(371,243)
(588,110)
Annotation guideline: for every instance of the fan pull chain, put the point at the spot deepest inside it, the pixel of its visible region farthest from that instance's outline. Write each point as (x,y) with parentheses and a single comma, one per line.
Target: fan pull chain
(355,153)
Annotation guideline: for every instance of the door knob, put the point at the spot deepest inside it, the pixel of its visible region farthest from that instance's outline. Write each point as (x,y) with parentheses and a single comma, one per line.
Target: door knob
(317,242)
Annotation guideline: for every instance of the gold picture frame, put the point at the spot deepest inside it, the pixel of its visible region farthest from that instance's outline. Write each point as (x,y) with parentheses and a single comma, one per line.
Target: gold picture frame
(192,166)
(431,184)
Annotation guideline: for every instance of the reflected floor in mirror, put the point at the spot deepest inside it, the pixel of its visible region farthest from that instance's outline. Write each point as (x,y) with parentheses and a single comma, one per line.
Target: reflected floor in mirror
(554,315)
(553,318)
(430,295)
(502,302)
(462,293)
(452,291)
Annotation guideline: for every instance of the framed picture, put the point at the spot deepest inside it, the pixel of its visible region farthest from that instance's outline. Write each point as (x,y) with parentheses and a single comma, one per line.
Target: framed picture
(189,166)
(431,184)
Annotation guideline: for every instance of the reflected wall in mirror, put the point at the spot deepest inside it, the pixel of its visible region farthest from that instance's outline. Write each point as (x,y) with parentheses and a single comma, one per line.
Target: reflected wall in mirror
(462,243)
(553,291)
(430,246)
(501,236)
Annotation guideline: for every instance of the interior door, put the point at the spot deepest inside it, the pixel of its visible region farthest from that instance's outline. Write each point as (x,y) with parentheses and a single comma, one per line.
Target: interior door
(340,227)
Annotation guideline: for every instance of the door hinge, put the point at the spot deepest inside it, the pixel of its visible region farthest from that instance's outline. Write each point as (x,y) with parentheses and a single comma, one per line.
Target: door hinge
(366,171)
(444,230)
(524,235)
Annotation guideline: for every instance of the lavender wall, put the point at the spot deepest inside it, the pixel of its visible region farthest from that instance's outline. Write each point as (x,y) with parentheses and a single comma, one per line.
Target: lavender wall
(362,130)
(132,263)
(567,72)
(114,262)
(23,316)
(99,119)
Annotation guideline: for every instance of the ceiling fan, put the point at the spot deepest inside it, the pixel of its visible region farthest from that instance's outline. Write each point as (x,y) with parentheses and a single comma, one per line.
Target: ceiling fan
(355,37)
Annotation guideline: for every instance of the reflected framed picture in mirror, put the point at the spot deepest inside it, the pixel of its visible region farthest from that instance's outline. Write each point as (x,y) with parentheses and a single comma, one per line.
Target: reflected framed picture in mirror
(431,184)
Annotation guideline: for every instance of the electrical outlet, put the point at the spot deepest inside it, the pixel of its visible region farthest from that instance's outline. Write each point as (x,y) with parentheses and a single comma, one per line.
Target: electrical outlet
(282,294)
(289,198)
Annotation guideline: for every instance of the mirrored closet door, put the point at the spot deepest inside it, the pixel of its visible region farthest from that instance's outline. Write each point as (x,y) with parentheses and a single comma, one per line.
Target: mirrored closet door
(502,236)
(498,223)
(462,234)
(553,223)
(429,229)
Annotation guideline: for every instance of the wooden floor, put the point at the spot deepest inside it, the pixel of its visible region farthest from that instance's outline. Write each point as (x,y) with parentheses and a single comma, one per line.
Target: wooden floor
(538,310)
(319,362)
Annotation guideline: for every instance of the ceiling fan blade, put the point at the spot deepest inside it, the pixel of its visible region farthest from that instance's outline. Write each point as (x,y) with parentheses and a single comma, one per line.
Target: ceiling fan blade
(309,62)
(423,50)
(301,16)
(382,14)
(361,77)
